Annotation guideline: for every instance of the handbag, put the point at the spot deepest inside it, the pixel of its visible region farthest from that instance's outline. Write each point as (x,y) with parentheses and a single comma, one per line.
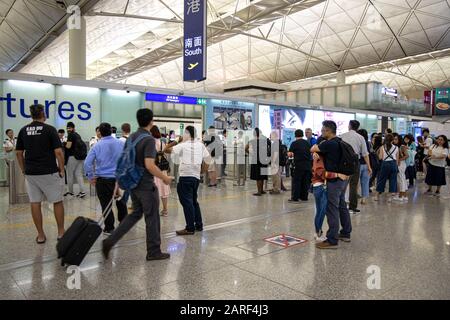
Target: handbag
(161,161)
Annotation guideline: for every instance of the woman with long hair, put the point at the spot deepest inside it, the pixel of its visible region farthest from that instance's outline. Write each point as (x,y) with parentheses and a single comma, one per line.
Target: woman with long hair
(377,143)
(388,155)
(401,175)
(163,189)
(437,154)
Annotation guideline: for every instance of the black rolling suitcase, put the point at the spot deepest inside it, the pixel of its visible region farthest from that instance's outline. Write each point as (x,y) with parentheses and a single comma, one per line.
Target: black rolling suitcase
(73,247)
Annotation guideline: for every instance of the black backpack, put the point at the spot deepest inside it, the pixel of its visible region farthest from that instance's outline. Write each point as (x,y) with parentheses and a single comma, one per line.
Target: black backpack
(283,155)
(80,148)
(349,161)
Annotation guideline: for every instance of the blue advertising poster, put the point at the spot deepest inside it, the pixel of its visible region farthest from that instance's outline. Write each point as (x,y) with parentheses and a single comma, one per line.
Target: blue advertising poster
(288,137)
(194,47)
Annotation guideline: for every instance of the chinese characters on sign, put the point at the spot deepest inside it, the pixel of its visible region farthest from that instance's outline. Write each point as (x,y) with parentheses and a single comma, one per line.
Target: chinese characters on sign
(194,53)
(193,6)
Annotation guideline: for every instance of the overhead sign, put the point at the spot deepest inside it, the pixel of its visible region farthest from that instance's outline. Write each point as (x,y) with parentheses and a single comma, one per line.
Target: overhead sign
(194,47)
(442,102)
(170,98)
(389,92)
(285,240)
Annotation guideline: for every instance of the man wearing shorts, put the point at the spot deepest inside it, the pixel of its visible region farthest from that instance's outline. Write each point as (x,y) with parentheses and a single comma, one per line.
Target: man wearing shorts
(41,159)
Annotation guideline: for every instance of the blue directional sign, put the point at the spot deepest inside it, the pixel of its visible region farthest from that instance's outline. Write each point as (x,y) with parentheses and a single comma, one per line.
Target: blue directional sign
(194,47)
(170,98)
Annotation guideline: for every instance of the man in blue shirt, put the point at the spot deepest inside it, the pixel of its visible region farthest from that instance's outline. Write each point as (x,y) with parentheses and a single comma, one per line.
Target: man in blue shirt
(310,137)
(100,167)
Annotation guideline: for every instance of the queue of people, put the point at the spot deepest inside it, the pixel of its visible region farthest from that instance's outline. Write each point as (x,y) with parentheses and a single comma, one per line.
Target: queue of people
(317,167)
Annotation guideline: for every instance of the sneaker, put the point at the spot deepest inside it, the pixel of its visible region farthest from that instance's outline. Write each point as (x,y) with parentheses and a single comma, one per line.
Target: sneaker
(326,245)
(428,192)
(292,200)
(199,229)
(107,233)
(81,195)
(185,232)
(160,256)
(405,199)
(437,194)
(68,194)
(344,238)
(354,211)
(274,192)
(397,198)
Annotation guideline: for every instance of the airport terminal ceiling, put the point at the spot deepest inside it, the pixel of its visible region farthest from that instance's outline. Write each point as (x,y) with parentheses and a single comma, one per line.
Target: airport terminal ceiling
(402,43)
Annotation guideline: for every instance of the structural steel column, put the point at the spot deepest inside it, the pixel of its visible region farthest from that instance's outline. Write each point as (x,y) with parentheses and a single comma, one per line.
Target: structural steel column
(77,51)
(340,78)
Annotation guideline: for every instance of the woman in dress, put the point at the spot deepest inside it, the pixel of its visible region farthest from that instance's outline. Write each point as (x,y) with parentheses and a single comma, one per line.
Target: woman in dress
(437,158)
(163,189)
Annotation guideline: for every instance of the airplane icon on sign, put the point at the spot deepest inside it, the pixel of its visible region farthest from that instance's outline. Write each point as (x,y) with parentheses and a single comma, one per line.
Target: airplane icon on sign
(192,65)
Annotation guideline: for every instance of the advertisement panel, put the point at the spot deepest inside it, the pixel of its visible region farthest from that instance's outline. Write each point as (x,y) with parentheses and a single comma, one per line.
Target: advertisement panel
(442,102)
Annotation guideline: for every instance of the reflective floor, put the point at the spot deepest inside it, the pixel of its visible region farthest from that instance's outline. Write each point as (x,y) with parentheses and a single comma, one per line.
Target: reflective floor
(408,245)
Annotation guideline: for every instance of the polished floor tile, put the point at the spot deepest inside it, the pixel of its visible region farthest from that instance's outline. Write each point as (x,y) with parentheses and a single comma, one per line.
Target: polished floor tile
(408,244)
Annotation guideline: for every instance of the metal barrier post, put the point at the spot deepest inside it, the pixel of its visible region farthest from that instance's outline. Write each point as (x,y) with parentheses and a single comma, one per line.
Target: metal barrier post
(17,190)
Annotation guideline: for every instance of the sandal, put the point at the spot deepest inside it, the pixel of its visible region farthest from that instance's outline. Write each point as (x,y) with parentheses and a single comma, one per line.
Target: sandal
(164,213)
(41,241)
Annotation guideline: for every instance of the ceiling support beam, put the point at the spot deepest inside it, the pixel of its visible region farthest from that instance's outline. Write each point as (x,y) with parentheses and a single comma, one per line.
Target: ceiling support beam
(132,16)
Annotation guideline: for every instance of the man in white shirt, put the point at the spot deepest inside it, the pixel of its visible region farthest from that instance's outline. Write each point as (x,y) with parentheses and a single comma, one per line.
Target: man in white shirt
(191,154)
(359,145)
(9,144)
(95,139)
(126,129)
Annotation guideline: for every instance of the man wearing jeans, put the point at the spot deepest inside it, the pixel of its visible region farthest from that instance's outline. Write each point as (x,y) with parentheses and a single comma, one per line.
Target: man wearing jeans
(145,196)
(336,210)
(191,154)
(104,156)
(359,145)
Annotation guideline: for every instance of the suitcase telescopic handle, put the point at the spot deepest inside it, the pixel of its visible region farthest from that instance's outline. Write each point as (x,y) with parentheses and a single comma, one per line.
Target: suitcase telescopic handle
(107,211)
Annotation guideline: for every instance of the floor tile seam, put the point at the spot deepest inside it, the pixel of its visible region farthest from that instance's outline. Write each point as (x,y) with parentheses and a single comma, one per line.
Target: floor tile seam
(168,235)
(274,281)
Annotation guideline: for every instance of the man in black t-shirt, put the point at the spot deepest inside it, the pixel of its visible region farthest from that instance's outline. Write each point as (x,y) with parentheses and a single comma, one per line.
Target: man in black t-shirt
(337,210)
(145,196)
(74,166)
(40,157)
(301,178)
